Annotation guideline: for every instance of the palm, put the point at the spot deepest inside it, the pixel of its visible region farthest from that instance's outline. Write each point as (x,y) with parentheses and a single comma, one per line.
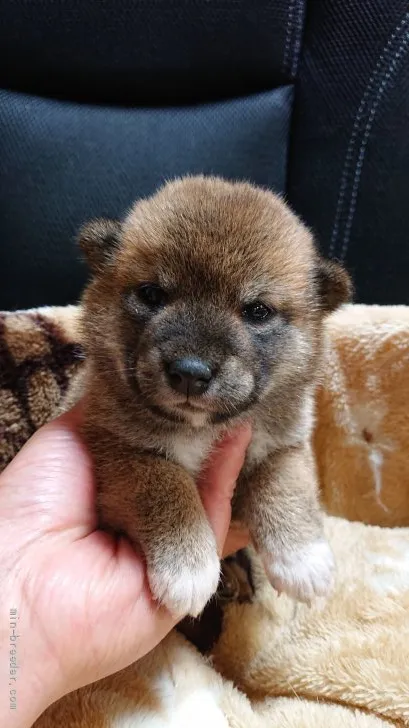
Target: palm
(93,592)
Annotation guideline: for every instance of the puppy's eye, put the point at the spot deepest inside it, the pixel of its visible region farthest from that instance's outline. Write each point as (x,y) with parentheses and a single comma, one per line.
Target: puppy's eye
(152,295)
(257,312)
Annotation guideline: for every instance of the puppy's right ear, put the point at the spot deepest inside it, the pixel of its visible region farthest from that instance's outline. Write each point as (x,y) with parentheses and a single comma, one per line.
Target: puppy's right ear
(99,239)
(334,285)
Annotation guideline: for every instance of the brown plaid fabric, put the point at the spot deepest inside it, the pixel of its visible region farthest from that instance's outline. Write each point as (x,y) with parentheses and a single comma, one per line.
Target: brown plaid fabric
(38,355)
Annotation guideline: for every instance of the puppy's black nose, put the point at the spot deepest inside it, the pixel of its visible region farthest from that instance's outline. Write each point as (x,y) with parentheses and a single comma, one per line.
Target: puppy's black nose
(189,376)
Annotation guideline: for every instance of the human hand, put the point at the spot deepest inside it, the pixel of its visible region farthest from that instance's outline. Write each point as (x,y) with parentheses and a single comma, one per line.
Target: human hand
(83,602)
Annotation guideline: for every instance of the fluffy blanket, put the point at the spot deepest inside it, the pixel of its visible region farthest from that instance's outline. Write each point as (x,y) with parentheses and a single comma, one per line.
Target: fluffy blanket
(255,660)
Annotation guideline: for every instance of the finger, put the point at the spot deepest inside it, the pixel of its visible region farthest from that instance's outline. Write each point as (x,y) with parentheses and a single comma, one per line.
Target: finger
(218,479)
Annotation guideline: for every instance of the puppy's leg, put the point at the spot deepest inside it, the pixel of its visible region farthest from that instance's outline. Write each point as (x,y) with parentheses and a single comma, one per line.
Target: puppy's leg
(282,510)
(156,504)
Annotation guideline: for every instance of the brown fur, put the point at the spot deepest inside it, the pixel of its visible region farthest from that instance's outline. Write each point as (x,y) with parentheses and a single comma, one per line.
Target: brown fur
(213,247)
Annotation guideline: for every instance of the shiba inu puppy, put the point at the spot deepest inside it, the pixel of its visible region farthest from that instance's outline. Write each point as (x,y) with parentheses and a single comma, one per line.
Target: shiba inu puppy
(205,308)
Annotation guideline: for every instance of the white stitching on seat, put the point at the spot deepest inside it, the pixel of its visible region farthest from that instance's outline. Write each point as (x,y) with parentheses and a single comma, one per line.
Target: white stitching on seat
(380,76)
(293,37)
(300,6)
(288,37)
(388,76)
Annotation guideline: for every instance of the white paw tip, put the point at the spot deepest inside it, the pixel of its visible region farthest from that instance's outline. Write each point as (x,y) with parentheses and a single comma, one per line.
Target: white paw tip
(185,590)
(303,574)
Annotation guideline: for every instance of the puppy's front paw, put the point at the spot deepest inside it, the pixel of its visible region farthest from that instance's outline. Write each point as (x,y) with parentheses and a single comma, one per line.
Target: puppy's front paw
(304,573)
(184,582)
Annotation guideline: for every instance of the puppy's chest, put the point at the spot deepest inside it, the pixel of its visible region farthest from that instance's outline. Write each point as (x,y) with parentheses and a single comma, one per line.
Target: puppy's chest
(190,452)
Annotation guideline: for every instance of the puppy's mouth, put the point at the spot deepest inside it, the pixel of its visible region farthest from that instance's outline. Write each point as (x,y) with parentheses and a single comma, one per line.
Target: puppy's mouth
(201,413)
(190,405)
(182,412)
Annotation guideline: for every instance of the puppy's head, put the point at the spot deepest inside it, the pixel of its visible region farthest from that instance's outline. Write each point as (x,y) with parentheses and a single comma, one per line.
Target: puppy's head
(206,298)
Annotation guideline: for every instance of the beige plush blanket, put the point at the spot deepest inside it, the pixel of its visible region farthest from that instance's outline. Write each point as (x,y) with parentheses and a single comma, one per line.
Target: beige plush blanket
(266,661)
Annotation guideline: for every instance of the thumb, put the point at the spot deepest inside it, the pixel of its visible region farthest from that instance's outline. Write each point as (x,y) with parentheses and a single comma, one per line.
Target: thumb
(218,480)
(50,481)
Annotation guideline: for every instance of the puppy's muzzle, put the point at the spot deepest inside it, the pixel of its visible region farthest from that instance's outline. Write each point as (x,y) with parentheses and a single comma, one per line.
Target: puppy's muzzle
(189,376)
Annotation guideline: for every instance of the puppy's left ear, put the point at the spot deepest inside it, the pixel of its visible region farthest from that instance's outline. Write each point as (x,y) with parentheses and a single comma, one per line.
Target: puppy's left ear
(99,239)
(334,285)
